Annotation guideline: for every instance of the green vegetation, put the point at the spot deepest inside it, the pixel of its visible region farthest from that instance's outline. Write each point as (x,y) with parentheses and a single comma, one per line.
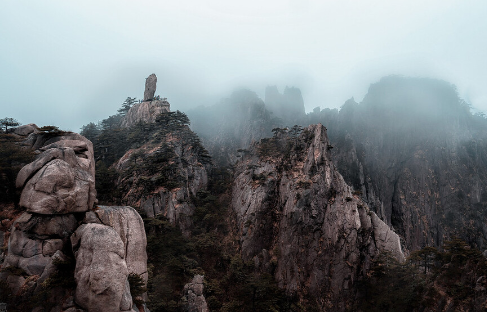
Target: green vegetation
(152,169)
(9,122)
(60,283)
(419,283)
(137,288)
(126,105)
(12,158)
(231,284)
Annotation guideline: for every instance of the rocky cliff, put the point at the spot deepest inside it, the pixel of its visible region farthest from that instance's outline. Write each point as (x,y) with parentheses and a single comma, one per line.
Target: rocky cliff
(64,253)
(167,169)
(417,155)
(298,219)
(145,112)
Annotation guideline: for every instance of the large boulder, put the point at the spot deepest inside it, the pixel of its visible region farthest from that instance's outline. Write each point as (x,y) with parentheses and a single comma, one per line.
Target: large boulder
(34,239)
(150,87)
(101,271)
(26,129)
(61,179)
(127,222)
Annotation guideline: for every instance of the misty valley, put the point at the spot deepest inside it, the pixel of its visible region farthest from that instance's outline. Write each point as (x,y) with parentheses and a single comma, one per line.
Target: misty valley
(250,204)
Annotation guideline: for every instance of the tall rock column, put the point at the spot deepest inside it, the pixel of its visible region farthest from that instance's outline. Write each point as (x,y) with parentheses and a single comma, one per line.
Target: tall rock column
(150,87)
(57,188)
(65,253)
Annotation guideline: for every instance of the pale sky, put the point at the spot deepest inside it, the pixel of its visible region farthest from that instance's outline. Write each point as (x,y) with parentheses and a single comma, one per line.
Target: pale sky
(67,63)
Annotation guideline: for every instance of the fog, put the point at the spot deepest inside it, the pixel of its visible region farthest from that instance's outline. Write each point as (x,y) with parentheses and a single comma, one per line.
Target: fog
(69,63)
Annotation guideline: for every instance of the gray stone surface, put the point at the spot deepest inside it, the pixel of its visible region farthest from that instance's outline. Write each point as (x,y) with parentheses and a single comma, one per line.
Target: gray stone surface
(55,225)
(144,112)
(193,296)
(61,179)
(385,238)
(50,246)
(302,212)
(150,87)
(15,283)
(129,225)
(34,265)
(26,129)
(56,186)
(101,272)
(51,267)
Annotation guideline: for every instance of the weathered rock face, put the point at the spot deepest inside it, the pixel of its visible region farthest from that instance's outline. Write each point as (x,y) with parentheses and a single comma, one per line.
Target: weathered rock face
(145,112)
(193,298)
(162,175)
(150,87)
(26,129)
(110,245)
(127,222)
(295,212)
(35,242)
(101,272)
(59,195)
(416,154)
(61,179)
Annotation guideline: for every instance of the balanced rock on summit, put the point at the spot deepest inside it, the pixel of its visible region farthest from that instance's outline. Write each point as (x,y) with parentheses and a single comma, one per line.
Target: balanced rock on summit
(150,87)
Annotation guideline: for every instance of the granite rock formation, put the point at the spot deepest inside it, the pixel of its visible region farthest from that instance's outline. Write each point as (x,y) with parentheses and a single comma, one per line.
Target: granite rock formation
(164,173)
(150,87)
(128,224)
(296,213)
(61,179)
(101,272)
(417,155)
(148,110)
(193,298)
(26,129)
(62,229)
(145,112)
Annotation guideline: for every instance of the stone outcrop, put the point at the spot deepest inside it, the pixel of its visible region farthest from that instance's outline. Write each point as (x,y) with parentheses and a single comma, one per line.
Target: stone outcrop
(61,179)
(148,110)
(150,87)
(193,298)
(108,246)
(61,230)
(26,129)
(101,272)
(295,210)
(162,175)
(127,222)
(416,153)
(145,112)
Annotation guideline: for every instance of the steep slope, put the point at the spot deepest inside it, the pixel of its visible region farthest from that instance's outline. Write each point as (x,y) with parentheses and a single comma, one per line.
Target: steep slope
(298,219)
(418,156)
(166,169)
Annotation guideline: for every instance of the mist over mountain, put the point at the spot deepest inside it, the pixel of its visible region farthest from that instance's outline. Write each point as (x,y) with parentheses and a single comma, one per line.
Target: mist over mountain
(253,204)
(412,148)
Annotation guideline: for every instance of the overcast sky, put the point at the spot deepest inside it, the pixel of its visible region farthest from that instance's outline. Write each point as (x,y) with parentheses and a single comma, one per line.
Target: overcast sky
(67,63)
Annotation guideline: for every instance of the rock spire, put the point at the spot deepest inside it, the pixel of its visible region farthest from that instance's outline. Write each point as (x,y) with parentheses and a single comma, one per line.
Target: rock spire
(150,87)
